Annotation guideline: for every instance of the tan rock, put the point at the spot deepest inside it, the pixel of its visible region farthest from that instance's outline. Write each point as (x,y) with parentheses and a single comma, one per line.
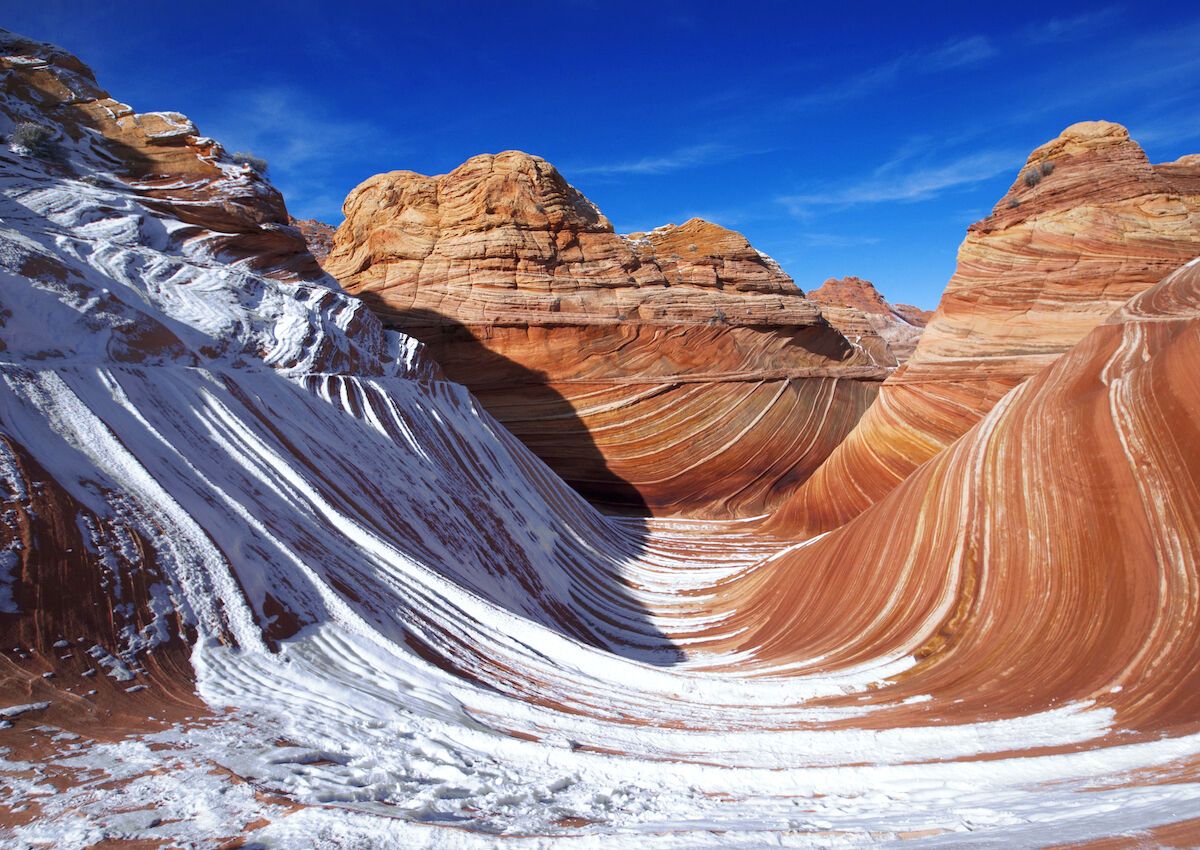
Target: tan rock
(1088,224)
(657,370)
(855,307)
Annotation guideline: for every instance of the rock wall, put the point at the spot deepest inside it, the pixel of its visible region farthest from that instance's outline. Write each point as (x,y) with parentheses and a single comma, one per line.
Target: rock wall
(1088,224)
(675,371)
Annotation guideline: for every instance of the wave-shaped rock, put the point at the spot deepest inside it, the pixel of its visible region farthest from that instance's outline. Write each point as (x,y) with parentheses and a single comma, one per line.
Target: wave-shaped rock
(326,599)
(1088,224)
(652,371)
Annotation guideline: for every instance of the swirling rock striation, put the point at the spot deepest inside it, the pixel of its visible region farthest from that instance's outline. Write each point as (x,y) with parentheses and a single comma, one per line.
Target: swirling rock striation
(1088,224)
(678,370)
(278,583)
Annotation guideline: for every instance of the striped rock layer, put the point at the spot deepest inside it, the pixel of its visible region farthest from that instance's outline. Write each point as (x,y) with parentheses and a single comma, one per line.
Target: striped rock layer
(277,582)
(1088,224)
(888,332)
(679,371)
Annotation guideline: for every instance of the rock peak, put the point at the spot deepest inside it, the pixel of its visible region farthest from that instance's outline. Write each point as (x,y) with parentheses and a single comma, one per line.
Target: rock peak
(889,333)
(850,291)
(1088,224)
(1085,131)
(1090,163)
(1101,137)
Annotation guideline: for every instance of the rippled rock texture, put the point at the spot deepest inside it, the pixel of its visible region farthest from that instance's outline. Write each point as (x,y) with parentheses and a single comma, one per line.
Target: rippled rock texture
(276,582)
(679,371)
(1088,224)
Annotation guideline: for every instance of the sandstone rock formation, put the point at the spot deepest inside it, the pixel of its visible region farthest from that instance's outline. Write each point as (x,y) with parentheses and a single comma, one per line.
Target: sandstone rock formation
(1066,517)
(317,235)
(1087,224)
(278,582)
(129,241)
(855,307)
(678,370)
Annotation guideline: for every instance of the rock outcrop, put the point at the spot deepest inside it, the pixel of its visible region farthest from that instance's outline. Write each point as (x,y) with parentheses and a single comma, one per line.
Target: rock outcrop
(1088,224)
(267,579)
(856,308)
(678,370)
(318,236)
(1068,517)
(129,242)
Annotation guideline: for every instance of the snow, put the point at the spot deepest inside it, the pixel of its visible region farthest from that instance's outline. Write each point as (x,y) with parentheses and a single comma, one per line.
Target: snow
(9,562)
(280,442)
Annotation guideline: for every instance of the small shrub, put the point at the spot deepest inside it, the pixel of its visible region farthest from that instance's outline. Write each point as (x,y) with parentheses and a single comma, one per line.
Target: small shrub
(1047,169)
(35,138)
(256,162)
(1033,177)
(1013,203)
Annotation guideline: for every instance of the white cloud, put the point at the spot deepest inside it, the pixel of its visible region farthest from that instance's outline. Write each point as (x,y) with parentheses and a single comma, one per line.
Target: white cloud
(837,240)
(1057,30)
(916,185)
(304,141)
(680,158)
(955,53)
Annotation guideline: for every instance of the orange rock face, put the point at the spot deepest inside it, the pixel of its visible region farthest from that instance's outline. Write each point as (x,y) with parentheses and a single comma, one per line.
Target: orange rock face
(1071,502)
(855,307)
(678,370)
(1088,224)
(1050,555)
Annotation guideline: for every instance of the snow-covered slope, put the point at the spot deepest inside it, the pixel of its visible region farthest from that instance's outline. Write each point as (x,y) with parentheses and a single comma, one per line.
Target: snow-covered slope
(222,477)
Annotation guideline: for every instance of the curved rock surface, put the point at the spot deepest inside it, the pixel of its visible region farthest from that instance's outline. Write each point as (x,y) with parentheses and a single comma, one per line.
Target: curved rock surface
(856,308)
(656,371)
(1088,224)
(327,600)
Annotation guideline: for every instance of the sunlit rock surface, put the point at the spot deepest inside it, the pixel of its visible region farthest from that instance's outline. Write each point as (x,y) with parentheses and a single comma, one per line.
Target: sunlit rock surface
(275,582)
(856,308)
(678,371)
(1087,224)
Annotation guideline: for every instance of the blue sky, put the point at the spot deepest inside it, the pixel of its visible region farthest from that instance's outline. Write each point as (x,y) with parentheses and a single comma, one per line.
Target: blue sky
(850,139)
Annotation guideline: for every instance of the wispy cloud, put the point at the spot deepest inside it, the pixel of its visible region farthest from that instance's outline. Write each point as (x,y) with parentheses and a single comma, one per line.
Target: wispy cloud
(955,53)
(1057,30)
(836,240)
(676,160)
(917,184)
(1167,131)
(305,142)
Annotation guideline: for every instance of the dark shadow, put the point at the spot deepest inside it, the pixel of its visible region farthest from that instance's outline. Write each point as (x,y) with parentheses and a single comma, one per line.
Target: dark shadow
(522,400)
